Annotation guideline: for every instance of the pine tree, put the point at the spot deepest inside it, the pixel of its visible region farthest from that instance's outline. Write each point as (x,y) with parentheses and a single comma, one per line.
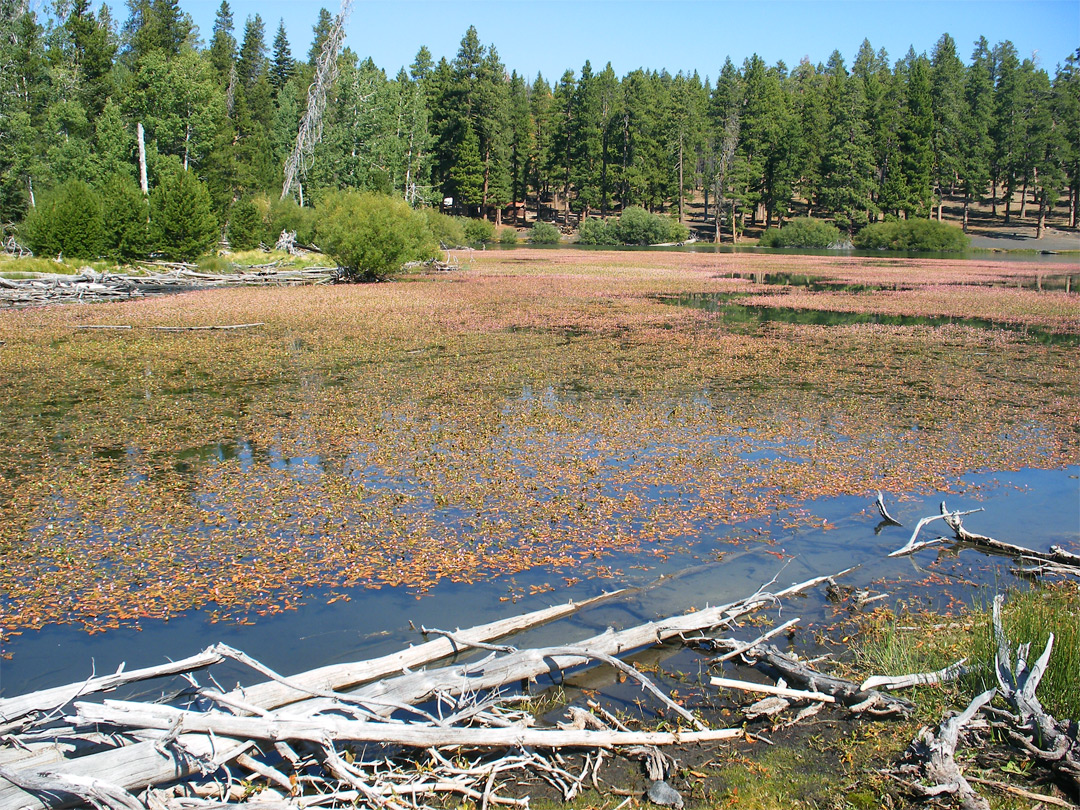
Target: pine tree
(125,216)
(522,140)
(541,108)
(68,221)
(806,88)
(89,50)
(467,174)
(976,143)
(245,227)
(949,110)
(223,42)
(1067,114)
(1045,149)
(724,112)
(252,62)
(847,166)
(320,31)
(283,65)
(182,223)
(1007,130)
(916,141)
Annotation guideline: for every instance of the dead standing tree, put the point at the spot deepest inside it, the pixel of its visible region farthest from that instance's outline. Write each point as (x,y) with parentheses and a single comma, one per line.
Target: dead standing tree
(310,132)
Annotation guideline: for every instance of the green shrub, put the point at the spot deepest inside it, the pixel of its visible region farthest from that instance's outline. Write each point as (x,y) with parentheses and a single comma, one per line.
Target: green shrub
(912,234)
(372,236)
(448,231)
(804,232)
(544,233)
(479,231)
(597,232)
(637,226)
(182,222)
(246,228)
(126,215)
(286,215)
(507,236)
(66,221)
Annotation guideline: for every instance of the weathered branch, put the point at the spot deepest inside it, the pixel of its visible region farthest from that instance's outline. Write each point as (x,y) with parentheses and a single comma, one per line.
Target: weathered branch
(933,756)
(46,700)
(319,729)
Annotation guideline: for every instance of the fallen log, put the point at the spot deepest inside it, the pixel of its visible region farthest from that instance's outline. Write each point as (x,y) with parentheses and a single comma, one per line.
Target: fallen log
(779,691)
(136,766)
(949,673)
(175,745)
(1059,559)
(847,693)
(123,714)
(14,710)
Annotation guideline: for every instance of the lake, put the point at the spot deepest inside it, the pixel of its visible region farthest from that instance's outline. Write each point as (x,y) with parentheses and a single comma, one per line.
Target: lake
(538,426)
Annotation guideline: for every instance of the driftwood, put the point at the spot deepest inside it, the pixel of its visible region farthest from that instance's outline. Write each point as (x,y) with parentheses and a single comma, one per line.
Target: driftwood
(949,673)
(303,719)
(1056,560)
(847,693)
(135,766)
(779,691)
(931,755)
(88,285)
(1056,743)
(17,711)
(320,729)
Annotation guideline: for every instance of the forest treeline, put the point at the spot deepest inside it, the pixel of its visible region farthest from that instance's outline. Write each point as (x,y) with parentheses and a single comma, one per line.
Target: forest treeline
(760,143)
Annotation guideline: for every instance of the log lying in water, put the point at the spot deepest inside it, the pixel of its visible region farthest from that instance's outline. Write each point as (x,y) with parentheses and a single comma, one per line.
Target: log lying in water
(309,713)
(1056,560)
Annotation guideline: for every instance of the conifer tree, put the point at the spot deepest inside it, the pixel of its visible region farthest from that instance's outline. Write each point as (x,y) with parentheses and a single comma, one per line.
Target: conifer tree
(1067,114)
(976,144)
(949,110)
(283,65)
(541,108)
(916,141)
(467,174)
(252,62)
(68,222)
(223,42)
(320,31)
(1007,129)
(125,216)
(522,140)
(847,166)
(182,222)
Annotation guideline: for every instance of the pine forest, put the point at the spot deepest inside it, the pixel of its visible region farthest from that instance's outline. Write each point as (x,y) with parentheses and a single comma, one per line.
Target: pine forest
(216,120)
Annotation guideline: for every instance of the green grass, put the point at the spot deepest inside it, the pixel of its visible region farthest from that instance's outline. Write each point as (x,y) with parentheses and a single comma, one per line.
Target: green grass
(31,267)
(1028,616)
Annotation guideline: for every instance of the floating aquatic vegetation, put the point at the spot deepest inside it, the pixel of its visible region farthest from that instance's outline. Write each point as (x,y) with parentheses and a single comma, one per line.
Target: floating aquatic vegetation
(541,408)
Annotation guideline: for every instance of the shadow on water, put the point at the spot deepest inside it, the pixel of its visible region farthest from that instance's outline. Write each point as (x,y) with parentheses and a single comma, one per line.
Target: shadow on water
(732,313)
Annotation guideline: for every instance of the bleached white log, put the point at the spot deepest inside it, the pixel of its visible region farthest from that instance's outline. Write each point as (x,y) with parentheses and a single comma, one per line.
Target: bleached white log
(137,766)
(46,700)
(949,673)
(321,729)
(338,677)
(779,691)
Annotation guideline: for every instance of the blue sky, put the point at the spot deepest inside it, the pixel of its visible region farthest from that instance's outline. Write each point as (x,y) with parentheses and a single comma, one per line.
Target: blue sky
(678,35)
